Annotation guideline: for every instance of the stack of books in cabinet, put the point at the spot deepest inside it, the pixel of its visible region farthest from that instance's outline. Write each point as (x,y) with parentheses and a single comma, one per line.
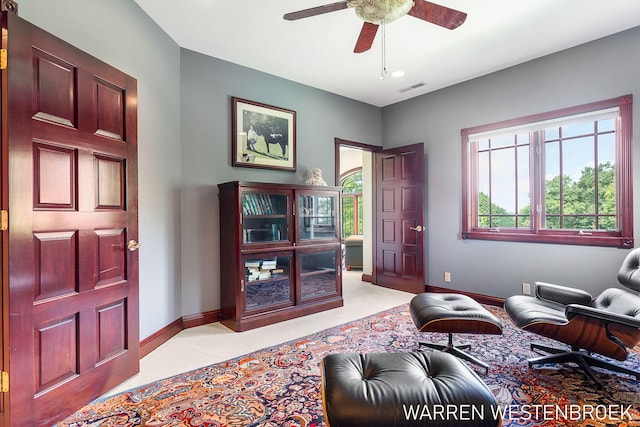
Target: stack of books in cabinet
(280,252)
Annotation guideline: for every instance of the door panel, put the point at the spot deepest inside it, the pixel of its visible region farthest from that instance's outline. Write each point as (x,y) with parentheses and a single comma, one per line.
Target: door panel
(72,183)
(400,206)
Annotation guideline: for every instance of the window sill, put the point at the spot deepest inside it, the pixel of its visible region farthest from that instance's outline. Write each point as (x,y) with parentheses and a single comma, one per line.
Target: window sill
(562,238)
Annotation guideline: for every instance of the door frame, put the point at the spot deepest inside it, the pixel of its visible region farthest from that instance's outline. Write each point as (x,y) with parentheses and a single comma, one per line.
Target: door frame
(373,149)
(376,150)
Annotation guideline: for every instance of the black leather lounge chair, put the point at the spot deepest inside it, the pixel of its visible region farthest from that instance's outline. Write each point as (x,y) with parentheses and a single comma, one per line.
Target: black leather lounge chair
(608,325)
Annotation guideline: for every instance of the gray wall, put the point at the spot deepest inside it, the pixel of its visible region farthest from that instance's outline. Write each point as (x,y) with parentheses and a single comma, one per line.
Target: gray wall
(603,69)
(119,33)
(207,87)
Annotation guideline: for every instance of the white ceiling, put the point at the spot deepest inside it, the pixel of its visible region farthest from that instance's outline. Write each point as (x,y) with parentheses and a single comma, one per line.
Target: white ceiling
(318,51)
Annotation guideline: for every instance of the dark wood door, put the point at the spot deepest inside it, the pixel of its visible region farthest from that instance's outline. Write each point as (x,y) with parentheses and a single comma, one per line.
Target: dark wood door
(399,242)
(70,132)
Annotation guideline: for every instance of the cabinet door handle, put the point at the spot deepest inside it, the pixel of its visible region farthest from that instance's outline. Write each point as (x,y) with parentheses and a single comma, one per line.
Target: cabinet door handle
(418,228)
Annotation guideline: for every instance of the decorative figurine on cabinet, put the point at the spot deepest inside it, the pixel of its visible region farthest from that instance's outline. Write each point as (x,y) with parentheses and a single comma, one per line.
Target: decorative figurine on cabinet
(316,178)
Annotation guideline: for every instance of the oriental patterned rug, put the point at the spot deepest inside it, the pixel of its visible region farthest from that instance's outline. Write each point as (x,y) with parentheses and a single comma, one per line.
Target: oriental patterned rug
(279,386)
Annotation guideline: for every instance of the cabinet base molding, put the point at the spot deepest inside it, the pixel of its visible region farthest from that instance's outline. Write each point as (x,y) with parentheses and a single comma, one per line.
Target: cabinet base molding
(264,319)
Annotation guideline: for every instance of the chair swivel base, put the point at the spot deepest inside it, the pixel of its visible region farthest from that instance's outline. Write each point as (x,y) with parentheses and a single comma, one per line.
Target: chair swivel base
(457,351)
(582,358)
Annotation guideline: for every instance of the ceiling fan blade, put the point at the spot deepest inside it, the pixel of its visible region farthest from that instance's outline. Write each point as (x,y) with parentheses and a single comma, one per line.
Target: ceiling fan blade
(319,10)
(365,39)
(436,14)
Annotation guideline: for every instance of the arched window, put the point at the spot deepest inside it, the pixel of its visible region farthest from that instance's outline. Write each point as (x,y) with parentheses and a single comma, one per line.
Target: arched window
(351,203)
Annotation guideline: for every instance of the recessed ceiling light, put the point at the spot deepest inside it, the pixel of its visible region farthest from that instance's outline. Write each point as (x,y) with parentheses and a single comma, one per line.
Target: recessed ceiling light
(397,74)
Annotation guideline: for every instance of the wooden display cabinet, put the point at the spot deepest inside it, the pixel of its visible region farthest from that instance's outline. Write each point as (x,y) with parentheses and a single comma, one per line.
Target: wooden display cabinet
(280,253)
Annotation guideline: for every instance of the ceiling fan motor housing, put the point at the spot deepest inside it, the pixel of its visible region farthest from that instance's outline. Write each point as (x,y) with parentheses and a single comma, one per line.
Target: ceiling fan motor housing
(381,11)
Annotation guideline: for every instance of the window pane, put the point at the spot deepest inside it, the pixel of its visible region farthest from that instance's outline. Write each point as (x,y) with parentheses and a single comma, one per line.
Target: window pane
(352,183)
(523,138)
(606,188)
(577,154)
(503,180)
(606,148)
(360,217)
(606,125)
(524,221)
(551,133)
(503,221)
(575,222)
(502,141)
(523,181)
(552,184)
(483,190)
(579,177)
(607,191)
(347,216)
(577,129)
(483,144)
(607,223)
(503,185)
(552,222)
(483,172)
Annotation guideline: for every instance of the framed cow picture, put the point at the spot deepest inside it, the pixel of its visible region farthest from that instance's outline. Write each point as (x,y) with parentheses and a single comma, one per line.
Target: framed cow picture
(264,136)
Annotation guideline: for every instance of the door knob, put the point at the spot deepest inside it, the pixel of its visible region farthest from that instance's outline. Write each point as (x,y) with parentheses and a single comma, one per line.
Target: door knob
(133,245)
(418,228)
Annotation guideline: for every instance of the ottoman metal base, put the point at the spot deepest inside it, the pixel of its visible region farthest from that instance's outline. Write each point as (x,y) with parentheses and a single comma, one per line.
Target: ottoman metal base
(453,313)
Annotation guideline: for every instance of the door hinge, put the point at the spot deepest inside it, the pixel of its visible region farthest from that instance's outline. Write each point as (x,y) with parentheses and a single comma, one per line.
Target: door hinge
(4,382)
(3,59)
(4,220)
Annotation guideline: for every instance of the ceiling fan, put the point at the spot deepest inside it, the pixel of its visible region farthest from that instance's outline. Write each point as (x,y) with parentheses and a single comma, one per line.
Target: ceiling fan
(377,12)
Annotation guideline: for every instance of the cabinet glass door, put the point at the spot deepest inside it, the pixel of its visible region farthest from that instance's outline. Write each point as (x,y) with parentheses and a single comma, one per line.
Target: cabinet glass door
(264,217)
(319,272)
(317,217)
(267,281)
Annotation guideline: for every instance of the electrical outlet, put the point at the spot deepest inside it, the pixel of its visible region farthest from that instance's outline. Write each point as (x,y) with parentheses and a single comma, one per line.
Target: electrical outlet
(447,277)
(526,288)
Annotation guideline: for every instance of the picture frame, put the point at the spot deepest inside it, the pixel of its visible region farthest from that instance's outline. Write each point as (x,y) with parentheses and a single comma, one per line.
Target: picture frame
(263,136)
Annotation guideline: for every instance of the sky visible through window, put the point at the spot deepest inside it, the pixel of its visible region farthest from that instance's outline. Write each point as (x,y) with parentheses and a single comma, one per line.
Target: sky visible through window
(580,147)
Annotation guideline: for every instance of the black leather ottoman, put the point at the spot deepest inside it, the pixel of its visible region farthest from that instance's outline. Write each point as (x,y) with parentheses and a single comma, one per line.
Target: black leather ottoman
(404,389)
(453,313)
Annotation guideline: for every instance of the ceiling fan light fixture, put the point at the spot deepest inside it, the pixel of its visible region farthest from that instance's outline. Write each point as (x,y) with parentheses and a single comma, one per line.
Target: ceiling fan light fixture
(381,11)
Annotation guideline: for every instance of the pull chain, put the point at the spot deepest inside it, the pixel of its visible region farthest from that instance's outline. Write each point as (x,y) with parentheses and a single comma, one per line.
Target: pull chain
(383,73)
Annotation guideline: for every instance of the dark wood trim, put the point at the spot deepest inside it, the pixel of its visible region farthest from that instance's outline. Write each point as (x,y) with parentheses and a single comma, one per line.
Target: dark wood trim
(354,144)
(200,319)
(367,278)
(160,337)
(482,299)
(344,142)
(624,171)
